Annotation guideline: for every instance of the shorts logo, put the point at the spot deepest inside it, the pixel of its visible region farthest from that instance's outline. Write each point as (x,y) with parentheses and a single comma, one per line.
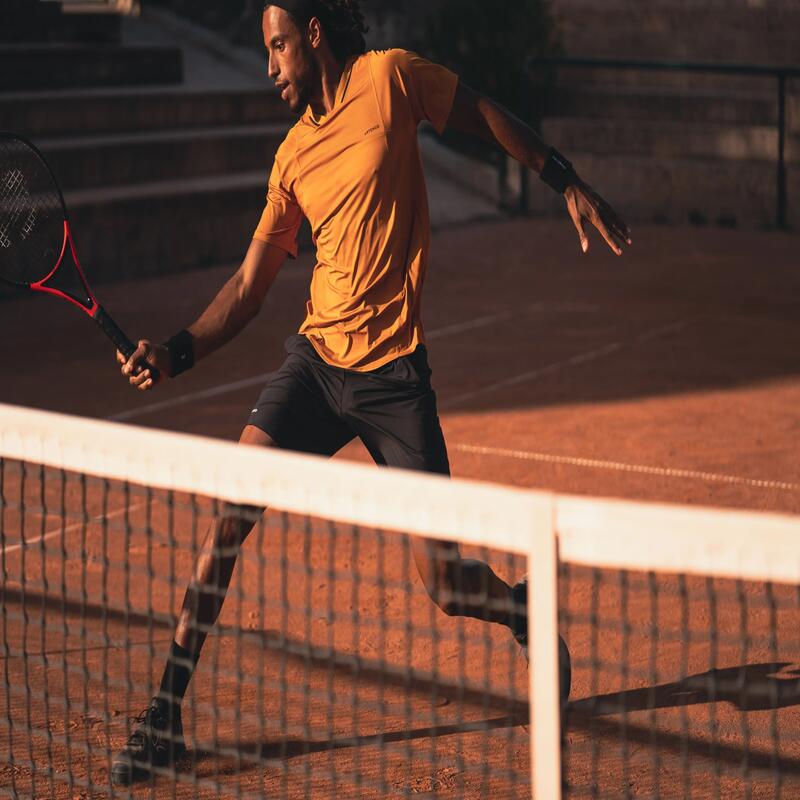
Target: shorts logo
(373,128)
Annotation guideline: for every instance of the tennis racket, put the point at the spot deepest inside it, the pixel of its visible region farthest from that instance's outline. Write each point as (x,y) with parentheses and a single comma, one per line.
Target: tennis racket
(37,251)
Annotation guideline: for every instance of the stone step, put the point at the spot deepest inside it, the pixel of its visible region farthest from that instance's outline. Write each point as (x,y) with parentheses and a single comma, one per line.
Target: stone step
(123,159)
(81,66)
(667,139)
(24,21)
(762,86)
(671,105)
(28,21)
(50,114)
(88,27)
(169,226)
(736,47)
(647,189)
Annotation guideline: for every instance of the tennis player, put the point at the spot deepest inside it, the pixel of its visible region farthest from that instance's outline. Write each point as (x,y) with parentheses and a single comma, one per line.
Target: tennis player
(358,366)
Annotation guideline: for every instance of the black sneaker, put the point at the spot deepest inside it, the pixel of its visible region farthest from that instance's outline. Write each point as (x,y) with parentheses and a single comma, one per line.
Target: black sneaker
(157,742)
(520,594)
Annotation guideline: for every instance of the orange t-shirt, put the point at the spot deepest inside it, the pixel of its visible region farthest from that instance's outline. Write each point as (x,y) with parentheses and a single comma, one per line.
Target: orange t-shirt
(356,174)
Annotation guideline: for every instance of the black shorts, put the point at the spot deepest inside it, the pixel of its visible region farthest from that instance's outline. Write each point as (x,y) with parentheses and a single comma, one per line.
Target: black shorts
(312,407)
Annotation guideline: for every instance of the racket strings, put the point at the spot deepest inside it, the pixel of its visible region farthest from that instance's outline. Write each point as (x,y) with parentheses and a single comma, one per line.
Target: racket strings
(31,214)
(15,201)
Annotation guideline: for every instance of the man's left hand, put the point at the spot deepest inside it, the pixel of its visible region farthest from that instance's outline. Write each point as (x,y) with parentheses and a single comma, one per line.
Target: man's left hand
(583,204)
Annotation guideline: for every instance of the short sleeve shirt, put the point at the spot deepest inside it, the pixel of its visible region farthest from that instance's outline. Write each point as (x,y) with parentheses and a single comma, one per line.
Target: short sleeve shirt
(356,174)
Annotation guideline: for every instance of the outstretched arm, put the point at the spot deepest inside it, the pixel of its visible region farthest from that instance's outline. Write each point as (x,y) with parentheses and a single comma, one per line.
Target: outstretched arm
(477,114)
(239,300)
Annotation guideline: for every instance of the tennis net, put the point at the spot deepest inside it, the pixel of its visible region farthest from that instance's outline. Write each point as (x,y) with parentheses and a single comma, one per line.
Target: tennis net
(683,624)
(331,673)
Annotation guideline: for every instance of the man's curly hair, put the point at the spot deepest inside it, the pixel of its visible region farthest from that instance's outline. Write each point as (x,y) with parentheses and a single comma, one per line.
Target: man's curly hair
(344,25)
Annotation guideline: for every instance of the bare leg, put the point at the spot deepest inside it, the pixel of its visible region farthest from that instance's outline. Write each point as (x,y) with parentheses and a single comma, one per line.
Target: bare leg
(460,586)
(464,587)
(158,740)
(215,563)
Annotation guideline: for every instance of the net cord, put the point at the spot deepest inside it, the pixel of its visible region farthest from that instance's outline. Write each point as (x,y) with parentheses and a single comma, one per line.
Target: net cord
(461,511)
(615,534)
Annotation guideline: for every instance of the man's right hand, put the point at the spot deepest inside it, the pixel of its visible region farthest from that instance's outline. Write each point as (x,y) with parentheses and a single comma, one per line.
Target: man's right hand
(147,352)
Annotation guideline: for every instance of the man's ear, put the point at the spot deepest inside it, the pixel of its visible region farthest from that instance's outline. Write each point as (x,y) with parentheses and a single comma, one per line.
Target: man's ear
(314,32)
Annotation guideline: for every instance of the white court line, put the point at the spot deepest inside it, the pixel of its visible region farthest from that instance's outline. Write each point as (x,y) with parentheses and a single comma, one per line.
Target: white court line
(617,466)
(214,391)
(70,528)
(581,358)
(447,330)
(490,319)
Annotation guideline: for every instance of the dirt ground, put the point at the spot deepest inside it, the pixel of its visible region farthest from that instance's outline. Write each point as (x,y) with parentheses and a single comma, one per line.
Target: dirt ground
(670,374)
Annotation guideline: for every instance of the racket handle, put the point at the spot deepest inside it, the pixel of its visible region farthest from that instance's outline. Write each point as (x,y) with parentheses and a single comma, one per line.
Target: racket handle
(122,342)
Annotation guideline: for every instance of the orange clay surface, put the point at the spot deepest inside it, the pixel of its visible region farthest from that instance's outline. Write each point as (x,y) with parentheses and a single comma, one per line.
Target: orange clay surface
(670,374)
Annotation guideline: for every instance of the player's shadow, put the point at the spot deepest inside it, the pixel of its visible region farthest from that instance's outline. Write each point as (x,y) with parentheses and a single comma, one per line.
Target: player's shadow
(751,687)
(236,757)
(489,710)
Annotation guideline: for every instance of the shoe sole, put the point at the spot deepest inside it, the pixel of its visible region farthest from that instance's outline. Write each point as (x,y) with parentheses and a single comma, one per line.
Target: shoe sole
(128,773)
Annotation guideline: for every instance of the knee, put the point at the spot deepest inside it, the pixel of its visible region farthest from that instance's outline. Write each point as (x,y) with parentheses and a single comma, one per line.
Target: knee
(459,584)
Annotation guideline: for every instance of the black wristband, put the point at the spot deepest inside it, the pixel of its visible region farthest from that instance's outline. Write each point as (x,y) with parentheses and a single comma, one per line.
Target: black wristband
(181,353)
(557,172)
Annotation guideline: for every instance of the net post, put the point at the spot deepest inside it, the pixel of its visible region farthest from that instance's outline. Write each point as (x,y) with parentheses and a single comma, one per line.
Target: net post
(545,706)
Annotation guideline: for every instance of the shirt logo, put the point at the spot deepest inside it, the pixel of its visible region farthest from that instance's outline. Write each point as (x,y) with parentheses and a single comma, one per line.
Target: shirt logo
(373,128)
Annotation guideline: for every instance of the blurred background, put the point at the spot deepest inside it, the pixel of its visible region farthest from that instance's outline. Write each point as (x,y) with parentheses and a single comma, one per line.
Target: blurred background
(161,123)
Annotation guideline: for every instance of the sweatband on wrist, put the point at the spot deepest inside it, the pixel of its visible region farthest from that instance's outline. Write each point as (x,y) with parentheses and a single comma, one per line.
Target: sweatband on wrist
(557,172)
(181,352)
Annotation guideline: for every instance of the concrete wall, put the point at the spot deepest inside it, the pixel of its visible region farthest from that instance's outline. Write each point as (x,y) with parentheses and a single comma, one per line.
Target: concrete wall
(761,31)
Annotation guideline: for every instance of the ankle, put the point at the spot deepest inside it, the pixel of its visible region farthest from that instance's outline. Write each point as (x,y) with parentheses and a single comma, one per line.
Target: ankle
(177,674)
(167,704)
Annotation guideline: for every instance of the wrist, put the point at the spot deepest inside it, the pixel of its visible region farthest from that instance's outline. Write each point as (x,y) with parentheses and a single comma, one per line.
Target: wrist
(181,353)
(557,172)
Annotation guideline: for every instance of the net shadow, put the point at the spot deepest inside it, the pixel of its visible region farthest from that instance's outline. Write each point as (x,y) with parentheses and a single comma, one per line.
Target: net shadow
(320,658)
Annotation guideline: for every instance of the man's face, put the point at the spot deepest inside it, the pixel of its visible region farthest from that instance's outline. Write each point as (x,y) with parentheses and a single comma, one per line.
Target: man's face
(291,62)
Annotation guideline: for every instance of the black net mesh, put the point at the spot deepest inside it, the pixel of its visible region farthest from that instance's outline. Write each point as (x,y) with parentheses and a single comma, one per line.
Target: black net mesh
(31,214)
(330,672)
(684,685)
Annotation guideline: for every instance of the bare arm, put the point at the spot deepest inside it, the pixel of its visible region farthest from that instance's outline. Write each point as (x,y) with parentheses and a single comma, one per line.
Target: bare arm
(235,305)
(477,114)
(239,300)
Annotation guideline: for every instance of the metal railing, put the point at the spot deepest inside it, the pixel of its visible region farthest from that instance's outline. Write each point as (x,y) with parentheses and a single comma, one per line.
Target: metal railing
(780,73)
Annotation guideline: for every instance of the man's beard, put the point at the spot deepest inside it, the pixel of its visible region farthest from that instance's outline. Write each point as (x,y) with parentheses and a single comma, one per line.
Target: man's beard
(304,86)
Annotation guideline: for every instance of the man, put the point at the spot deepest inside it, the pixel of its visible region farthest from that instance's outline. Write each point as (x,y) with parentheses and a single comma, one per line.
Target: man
(358,366)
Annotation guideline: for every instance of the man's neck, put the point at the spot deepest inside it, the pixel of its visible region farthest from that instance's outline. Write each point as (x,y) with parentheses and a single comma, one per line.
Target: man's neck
(331,75)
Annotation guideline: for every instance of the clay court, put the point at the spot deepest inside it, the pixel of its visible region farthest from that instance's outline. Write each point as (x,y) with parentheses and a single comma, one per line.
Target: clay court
(668,375)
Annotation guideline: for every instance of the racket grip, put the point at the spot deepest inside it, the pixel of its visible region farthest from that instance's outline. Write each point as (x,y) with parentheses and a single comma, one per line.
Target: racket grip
(122,342)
